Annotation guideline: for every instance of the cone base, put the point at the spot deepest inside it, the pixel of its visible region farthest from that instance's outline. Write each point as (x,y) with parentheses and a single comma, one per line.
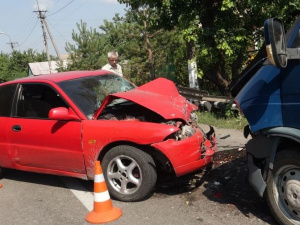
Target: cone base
(104,217)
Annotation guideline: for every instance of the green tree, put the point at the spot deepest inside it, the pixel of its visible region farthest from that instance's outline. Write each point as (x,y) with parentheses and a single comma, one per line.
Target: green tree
(133,38)
(146,52)
(85,53)
(18,65)
(15,65)
(4,62)
(226,33)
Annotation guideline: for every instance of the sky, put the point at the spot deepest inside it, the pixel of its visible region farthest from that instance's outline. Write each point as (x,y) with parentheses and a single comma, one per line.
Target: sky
(20,25)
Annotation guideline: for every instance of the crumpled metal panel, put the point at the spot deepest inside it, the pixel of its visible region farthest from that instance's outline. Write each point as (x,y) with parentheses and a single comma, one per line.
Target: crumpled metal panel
(160,96)
(185,155)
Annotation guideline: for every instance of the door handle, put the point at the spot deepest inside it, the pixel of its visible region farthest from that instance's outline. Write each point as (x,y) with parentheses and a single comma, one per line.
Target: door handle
(16,128)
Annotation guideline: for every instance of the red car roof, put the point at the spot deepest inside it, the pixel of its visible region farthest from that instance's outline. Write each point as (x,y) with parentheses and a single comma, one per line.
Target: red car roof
(58,77)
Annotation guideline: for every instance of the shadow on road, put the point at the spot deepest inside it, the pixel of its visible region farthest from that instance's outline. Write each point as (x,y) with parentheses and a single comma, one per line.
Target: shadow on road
(47,180)
(224,183)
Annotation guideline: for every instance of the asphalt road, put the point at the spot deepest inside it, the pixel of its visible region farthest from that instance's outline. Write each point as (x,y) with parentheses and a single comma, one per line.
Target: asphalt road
(217,196)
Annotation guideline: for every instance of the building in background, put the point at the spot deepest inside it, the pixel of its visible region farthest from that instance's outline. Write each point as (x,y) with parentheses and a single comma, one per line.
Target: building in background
(40,68)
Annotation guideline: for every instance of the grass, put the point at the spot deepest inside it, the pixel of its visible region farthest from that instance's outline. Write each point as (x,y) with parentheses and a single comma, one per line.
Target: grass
(237,122)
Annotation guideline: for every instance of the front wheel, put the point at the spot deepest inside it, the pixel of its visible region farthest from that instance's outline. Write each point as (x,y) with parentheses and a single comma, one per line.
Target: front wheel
(129,172)
(283,187)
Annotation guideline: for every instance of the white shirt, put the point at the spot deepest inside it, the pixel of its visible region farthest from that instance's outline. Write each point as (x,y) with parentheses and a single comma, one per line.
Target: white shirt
(117,70)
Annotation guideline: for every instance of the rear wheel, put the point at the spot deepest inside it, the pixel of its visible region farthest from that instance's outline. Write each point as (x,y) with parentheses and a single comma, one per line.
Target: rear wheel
(283,187)
(129,172)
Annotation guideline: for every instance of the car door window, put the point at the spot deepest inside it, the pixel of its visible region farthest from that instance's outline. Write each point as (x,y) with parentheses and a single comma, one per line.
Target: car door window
(7,93)
(36,100)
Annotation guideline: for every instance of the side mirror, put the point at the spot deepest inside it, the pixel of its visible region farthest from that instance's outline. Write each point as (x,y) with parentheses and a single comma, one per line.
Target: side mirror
(62,113)
(276,42)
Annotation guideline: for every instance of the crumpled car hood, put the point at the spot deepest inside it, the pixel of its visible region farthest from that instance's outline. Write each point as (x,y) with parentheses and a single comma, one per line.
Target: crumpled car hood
(160,96)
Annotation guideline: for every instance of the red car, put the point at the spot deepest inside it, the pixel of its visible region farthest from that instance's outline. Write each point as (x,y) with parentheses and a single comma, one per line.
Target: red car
(62,123)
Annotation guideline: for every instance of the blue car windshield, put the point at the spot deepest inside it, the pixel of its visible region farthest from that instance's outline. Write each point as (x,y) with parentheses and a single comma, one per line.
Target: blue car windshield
(89,92)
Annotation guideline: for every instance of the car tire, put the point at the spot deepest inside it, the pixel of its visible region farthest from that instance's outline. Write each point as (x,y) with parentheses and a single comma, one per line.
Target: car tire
(283,187)
(129,172)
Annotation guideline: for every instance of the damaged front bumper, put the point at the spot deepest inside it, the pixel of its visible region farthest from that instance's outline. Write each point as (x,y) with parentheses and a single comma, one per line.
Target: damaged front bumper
(189,155)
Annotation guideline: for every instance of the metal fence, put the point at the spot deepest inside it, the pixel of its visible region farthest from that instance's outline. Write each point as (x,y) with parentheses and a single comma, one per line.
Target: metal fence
(205,101)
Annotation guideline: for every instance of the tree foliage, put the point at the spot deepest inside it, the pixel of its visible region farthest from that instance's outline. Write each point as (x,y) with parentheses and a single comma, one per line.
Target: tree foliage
(153,38)
(127,35)
(149,52)
(227,33)
(85,53)
(15,65)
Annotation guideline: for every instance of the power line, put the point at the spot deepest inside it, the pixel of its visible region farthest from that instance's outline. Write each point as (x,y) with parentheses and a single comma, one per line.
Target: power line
(73,11)
(26,25)
(58,32)
(37,41)
(30,32)
(61,8)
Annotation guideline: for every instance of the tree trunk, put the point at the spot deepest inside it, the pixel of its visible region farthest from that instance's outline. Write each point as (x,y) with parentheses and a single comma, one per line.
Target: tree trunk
(192,65)
(214,75)
(148,46)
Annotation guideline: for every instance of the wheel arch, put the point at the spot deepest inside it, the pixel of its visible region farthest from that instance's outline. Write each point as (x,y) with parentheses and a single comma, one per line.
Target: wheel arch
(282,138)
(161,161)
(287,143)
(262,150)
(285,139)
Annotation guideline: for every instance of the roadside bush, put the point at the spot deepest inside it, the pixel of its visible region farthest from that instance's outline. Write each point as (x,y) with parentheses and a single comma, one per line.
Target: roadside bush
(233,121)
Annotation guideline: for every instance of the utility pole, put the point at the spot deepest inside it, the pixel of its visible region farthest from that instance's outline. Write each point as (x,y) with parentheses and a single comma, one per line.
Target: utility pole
(12,44)
(44,22)
(42,18)
(52,40)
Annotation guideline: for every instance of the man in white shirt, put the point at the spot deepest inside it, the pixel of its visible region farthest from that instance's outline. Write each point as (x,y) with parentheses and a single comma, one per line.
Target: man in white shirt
(112,64)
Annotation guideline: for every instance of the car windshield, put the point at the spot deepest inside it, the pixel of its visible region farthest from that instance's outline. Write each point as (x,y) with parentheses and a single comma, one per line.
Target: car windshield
(88,92)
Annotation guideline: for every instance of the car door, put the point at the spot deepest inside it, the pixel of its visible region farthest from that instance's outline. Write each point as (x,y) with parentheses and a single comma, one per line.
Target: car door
(7,93)
(38,143)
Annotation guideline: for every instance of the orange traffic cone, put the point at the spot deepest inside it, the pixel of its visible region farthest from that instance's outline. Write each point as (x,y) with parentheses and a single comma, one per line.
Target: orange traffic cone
(103,211)
(0,185)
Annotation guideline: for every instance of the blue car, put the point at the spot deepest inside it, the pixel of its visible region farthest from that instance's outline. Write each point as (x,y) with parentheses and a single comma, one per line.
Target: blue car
(269,98)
